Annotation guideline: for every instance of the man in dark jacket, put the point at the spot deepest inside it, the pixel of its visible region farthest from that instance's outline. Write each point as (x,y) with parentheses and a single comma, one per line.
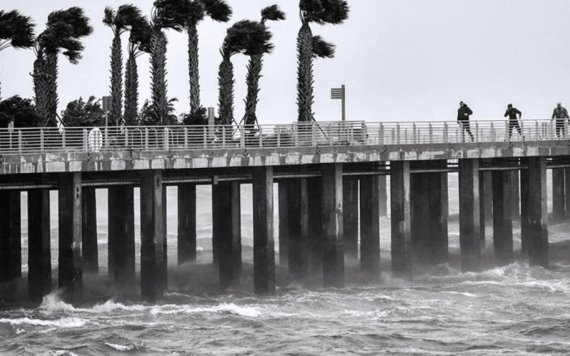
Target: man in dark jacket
(560,114)
(514,116)
(463,118)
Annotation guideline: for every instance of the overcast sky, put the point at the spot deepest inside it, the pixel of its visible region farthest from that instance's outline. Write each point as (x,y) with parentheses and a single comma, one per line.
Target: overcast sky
(399,59)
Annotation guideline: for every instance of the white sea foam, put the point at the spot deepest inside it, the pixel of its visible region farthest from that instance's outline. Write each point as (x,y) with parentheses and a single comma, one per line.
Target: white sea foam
(224,308)
(53,303)
(122,348)
(110,306)
(58,323)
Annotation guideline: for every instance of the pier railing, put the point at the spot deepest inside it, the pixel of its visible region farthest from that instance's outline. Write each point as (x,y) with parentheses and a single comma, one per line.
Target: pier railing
(167,138)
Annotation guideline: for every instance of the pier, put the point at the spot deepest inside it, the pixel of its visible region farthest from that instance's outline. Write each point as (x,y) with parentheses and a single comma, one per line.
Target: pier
(331,187)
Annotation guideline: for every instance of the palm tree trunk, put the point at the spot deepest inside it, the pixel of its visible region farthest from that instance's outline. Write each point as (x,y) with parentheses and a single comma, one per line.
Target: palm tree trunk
(51,92)
(226,92)
(40,86)
(251,100)
(305,73)
(158,72)
(116,81)
(193,68)
(131,91)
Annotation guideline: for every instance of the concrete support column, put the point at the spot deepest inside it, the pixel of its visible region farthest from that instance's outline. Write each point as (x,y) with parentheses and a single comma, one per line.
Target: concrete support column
(383,194)
(419,213)
(315,226)
(39,244)
(567,191)
(283,223)
(89,233)
(263,242)
(525,228)
(502,217)
(350,216)
(485,202)
(298,204)
(558,194)
(332,219)
(70,272)
(515,195)
(121,211)
(10,236)
(370,226)
(469,235)
(536,214)
(153,279)
(429,213)
(186,223)
(401,218)
(227,232)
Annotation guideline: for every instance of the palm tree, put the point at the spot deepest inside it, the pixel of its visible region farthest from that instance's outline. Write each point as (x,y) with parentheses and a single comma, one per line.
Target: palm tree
(119,21)
(247,37)
(64,30)
(218,10)
(139,43)
(320,12)
(270,13)
(16,30)
(167,14)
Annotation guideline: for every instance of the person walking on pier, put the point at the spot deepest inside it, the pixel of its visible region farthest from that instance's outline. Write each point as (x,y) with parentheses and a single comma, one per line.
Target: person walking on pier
(463,114)
(560,114)
(514,115)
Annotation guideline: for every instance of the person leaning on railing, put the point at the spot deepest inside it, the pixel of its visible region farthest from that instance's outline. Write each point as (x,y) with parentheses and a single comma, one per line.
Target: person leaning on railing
(560,114)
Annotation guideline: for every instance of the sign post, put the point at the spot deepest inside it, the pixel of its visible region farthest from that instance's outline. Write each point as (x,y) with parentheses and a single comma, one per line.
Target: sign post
(340,93)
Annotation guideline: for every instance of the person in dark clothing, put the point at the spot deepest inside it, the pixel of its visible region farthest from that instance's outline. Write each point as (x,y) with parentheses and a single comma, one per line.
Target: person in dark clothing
(463,119)
(560,114)
(514,116)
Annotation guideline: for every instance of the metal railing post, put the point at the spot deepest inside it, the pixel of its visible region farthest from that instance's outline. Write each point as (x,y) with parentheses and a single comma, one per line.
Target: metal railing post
(126,136)
(477,134)
(430,133)
(260,136)
(20,141)
(63,139)
(85,139)
(381,134)
(414,134)
(185,137)
(445,133)
(242,136)
(205,136)
(42,140)
(145,138)
(398,134)
(223,136)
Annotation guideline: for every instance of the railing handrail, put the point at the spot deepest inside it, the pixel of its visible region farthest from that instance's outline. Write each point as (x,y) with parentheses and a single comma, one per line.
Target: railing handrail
(296,134)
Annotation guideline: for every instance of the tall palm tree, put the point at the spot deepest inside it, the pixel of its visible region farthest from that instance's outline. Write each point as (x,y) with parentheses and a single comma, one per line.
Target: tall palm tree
(139,43)
(218,10)
(320,12)
(16,30)
(119,21)
(270,13)
(247,37)
(166,14)
(64,30)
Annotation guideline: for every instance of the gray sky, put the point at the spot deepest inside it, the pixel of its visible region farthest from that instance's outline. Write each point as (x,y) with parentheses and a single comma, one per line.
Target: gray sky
(400,59)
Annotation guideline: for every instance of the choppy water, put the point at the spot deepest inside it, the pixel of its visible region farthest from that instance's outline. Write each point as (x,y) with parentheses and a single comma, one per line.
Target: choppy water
(513,309)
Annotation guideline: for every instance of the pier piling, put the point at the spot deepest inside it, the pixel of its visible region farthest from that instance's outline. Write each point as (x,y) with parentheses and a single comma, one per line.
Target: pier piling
(350,216)
(332,220)
(186,223)
(401,218)
(153,279)
(469,235)
(298,215)
(121,237)
(263,242)
(39,244)
(89,233)
(283,199)
(502,217)
(558,194)
(10,236)
(70,271)
(370,227)
(537,216)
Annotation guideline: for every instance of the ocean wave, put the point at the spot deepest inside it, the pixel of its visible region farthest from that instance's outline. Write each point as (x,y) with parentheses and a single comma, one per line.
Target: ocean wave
(224,308)
(70,322)
(123,348)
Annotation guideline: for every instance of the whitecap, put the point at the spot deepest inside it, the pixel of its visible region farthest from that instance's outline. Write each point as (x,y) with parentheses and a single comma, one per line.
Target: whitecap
(122,348)
(58,323)
(110,306)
